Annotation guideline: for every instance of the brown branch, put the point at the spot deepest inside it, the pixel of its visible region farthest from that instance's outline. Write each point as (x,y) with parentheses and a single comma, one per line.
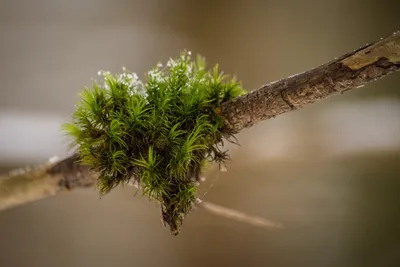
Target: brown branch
(30,184)
(352,70)
(46,180)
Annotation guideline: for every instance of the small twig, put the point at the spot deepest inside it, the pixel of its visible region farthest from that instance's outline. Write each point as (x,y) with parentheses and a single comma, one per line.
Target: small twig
(239,216)
(230,213)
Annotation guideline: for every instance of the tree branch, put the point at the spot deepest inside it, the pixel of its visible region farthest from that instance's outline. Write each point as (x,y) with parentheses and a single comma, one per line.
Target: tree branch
(31,184)
(28,185)
(353,70)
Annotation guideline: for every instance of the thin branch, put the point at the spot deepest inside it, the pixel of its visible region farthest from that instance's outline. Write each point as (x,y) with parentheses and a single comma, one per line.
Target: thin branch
(31,184)
(353,70)
(239,216)
(230,213)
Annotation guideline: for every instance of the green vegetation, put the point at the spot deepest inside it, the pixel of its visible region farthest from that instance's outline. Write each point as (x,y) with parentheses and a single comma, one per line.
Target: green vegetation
(160,132)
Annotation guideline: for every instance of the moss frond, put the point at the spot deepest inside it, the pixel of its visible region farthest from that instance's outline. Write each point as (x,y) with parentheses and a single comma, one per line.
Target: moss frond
(160,132)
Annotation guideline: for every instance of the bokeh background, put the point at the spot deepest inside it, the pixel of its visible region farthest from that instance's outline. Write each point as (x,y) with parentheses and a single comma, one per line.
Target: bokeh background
(329,172)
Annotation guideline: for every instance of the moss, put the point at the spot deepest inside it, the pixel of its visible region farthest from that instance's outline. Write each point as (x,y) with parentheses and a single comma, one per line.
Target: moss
(160,132)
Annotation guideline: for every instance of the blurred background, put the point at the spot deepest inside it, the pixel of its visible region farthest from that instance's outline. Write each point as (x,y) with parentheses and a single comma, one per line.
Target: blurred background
(329,172)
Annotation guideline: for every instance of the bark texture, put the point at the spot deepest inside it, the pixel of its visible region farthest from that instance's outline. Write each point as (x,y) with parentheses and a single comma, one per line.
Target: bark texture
(353,70)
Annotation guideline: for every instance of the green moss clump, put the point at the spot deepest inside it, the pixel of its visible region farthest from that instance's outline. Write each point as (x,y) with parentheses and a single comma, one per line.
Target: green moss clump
(159,132)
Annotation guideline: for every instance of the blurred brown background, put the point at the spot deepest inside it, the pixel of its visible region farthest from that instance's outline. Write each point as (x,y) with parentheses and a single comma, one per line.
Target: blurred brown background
(329,172)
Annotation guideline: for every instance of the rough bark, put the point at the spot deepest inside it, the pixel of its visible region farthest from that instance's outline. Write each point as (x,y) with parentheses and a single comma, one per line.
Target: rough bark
(353,70)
